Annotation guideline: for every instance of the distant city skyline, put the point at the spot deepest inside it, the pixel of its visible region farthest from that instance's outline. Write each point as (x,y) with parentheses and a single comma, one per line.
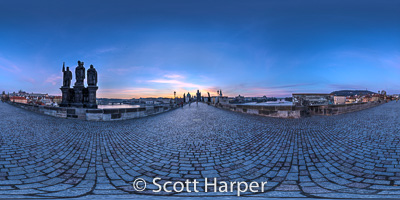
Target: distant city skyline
(251,48)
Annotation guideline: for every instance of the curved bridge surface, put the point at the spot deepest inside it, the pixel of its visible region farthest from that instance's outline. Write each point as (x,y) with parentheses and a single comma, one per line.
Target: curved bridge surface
(354,155)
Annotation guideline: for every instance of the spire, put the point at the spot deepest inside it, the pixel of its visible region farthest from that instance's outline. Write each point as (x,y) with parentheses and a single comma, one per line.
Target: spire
(63,70)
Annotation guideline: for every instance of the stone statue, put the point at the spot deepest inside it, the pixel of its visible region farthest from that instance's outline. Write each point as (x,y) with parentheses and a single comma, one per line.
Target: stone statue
(67,76)
(198,95)
(92,76)
(220,93)
(79,74)
(79,96)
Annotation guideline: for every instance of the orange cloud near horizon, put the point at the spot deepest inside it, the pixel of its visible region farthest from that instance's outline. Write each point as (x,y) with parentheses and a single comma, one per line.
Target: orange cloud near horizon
(129,93)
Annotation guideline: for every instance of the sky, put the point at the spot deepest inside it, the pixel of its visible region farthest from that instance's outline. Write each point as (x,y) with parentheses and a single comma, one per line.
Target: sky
(153,48)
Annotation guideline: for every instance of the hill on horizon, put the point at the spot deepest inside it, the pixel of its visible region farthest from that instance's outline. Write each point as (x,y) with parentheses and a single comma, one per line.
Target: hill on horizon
(352,92)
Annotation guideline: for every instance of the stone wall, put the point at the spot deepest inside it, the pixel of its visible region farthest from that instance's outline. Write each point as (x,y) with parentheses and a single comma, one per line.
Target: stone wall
(341,109)
(270,111)
(297,111)
(95,114)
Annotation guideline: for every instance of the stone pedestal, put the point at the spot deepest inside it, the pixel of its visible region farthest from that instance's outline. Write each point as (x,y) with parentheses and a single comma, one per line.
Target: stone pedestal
(92,97)
(65,96)
(78,100)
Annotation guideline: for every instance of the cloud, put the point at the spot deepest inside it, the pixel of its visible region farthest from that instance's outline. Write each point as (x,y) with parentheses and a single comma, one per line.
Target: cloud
(132,92)
(392,61)
(54,79)
(347,86)
(128,90)
(257,90)
(386,60)
(9,66)
(124,70)
(105,50)
(174,76)
(30,80)
(176,83)
(291,85)
(96,53)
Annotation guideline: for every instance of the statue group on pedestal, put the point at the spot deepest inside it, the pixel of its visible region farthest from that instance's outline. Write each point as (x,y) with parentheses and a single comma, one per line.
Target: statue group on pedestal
(79,95)
(219,92)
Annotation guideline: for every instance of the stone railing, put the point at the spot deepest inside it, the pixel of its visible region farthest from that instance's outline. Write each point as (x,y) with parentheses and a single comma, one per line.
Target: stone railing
(95,114)
(269,111)
(296,111)
(342,108)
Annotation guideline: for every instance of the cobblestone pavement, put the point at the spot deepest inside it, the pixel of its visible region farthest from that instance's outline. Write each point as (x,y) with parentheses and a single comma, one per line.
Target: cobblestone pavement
(354,155)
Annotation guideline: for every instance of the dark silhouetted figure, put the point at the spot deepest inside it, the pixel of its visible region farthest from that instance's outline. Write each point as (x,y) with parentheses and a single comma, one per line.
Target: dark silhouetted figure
(67,76)
(79,74)
(92,76)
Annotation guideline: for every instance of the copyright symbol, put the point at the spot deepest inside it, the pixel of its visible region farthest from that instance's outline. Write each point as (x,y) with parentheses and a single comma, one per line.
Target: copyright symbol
(139,184)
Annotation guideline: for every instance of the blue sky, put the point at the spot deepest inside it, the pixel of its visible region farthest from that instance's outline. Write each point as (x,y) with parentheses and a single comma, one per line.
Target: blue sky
(252,48)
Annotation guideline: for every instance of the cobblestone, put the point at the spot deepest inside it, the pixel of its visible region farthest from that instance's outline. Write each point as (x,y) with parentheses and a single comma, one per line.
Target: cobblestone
(354,155)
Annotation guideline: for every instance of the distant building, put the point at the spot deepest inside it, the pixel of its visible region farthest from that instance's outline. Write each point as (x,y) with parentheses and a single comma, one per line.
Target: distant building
(220,99)
(214,99)
(248,99)
(312,99)
(21,93)
(18,99)
(31,95)
(339,100)
(238,99)
(350,100)
(57,99)
(164,100)
(46,101)
(37,95)
(366,98)
(152,100)
(375,97)
(224,99)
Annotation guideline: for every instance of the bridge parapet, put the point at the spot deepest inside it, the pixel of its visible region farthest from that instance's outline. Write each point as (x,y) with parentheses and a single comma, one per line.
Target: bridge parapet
(269,111)
(95,114)
(297,111)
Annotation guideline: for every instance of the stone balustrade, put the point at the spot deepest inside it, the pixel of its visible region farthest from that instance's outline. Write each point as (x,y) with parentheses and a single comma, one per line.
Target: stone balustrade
(110,114)
(342,108)
(297,111)
(269,111)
